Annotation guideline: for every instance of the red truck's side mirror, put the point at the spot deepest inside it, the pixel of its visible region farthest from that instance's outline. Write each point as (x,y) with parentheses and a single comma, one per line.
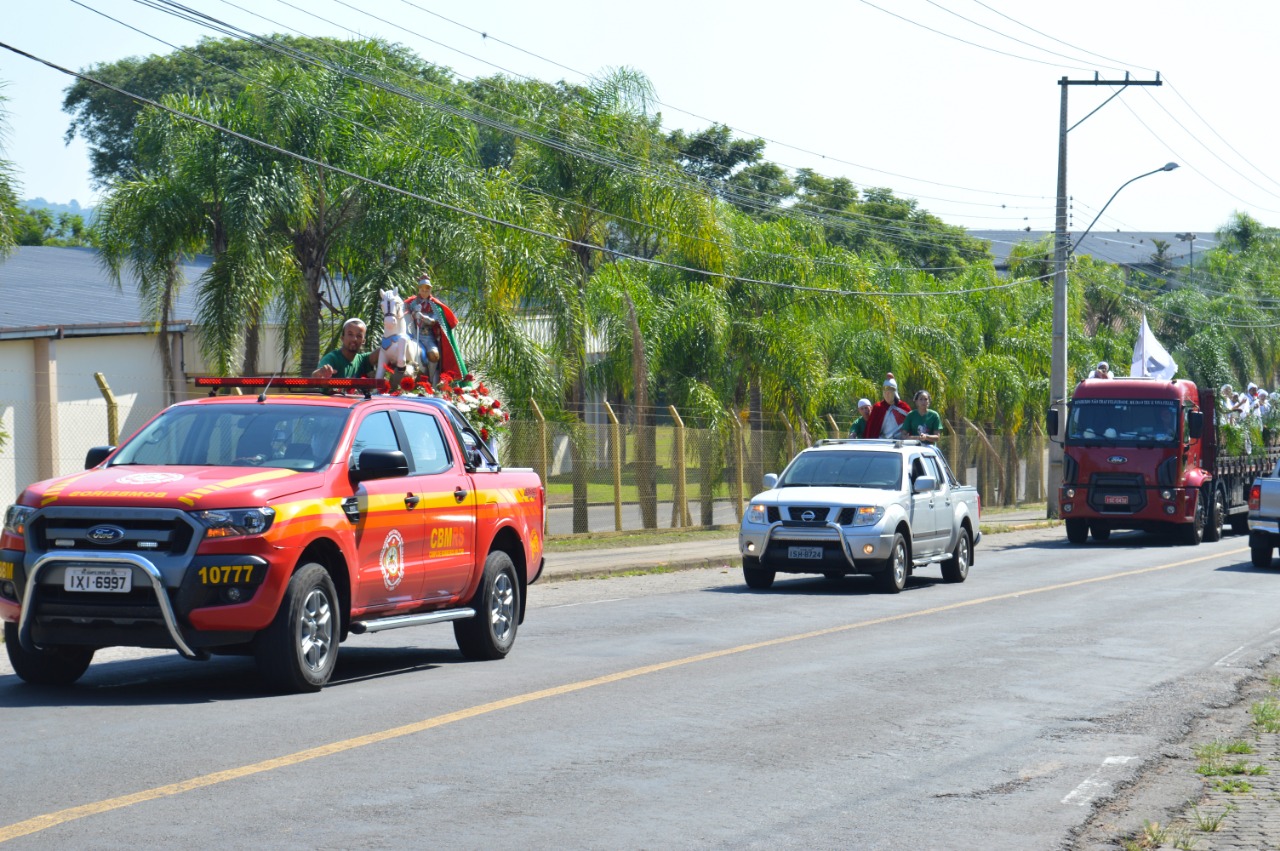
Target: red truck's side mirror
(380,464)
(1051,422)
(1195,424)
(96,456)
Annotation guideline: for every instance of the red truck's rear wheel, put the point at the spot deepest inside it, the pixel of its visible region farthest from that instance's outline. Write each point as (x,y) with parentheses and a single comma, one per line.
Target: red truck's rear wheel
(490,634)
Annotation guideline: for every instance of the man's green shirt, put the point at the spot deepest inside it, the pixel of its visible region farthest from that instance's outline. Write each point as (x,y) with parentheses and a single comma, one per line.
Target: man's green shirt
(931,421)
(361,367)
(859,428)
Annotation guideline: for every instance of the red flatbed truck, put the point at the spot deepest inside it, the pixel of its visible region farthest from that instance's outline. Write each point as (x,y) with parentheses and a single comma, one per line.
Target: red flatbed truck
(1145,453)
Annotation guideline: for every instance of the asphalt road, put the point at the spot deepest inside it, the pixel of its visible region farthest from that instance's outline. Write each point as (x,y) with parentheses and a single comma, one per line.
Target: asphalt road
(675,711)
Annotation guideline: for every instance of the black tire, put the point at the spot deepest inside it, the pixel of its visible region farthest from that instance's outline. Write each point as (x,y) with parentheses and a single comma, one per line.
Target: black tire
(1077,531)
(756,576)
(492,632)
(1193,532)
(956,568)
(1260,554)
(48,666)
(1239,523)
(1217,516)
(1099,532)
(299,650)
(893,578)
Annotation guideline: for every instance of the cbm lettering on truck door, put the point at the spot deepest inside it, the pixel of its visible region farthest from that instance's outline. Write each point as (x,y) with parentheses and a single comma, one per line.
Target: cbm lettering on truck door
(390,529)
(448,494)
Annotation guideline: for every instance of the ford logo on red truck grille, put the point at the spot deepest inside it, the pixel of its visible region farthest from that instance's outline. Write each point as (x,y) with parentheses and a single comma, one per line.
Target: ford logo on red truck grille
(105,534)
(1118,459)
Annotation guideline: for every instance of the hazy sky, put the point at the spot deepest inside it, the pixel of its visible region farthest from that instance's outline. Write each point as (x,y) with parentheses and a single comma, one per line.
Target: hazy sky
(844,87)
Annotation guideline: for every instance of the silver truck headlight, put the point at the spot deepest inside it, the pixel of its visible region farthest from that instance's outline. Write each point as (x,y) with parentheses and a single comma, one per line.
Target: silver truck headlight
(757,514)
(867,515)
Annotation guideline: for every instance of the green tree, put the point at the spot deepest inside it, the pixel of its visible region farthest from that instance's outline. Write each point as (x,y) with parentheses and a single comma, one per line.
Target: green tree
(10,211)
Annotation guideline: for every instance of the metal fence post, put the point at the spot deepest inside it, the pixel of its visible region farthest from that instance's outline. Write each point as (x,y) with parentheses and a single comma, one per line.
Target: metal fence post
(739,460)
(680,503)
(543,463)
(113,409)
(615,458)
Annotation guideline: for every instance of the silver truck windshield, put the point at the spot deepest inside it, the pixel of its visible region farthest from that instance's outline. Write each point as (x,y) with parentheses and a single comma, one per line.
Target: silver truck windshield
(251,435)
(1134,422)
(845,470)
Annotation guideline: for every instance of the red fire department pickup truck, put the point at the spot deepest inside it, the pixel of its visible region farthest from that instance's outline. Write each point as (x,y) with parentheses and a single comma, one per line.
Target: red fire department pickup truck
(275,525)
(1144,453)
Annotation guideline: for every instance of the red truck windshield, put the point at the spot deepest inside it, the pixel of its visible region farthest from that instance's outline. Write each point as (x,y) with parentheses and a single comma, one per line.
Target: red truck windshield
(1128,422)
(250,435)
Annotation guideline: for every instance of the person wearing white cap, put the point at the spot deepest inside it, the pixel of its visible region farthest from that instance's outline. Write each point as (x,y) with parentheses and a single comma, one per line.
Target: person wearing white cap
(888,415)
(1264,403)
(1102,370)
(859,427)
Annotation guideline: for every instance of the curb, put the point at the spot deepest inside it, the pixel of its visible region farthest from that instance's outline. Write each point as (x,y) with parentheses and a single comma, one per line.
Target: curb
(570,574)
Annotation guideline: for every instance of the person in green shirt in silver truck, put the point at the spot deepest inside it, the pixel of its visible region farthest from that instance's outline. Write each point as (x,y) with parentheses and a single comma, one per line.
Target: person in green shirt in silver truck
(922,423)
(859,428)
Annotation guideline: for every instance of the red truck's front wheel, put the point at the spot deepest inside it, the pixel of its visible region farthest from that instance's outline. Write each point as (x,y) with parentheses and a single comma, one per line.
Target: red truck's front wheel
(299,651)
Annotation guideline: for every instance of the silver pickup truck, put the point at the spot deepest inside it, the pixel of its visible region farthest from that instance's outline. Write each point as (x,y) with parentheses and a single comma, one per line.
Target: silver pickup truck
(883,507)
(1264,518)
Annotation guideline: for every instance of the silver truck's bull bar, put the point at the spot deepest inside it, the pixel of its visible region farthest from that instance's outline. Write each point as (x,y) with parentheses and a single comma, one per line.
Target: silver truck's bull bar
(844,545)
(80,556)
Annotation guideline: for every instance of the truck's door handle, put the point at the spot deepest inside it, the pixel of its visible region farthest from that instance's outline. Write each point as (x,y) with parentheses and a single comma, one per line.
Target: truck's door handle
(411,500)
(459,494)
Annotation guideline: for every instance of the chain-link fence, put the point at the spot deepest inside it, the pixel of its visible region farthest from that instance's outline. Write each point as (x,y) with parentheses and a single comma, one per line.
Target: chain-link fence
(666,472)
(614,471)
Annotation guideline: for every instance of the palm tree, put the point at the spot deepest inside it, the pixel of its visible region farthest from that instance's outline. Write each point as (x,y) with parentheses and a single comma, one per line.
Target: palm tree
(8,191)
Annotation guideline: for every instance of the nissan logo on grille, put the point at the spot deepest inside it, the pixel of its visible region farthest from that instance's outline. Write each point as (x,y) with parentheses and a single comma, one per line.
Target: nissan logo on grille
(808,516)
(105,534)
(1117,459)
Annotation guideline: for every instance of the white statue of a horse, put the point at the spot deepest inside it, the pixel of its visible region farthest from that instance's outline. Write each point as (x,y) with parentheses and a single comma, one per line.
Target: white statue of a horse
(399,351)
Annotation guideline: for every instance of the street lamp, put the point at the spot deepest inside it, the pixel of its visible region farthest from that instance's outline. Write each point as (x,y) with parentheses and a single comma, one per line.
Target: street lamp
(1165,167)
(1058,359)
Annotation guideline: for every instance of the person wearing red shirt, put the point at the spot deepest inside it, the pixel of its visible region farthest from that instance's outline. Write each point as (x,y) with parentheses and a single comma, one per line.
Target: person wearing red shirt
(888,415)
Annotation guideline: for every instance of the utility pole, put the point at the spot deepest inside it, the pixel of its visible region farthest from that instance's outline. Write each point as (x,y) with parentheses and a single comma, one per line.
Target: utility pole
(1058,365)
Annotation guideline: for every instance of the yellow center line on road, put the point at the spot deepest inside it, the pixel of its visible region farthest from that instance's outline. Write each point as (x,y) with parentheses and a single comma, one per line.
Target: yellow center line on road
(44,822)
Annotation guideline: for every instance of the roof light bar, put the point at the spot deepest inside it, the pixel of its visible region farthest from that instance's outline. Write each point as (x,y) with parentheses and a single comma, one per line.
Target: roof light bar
(263,381)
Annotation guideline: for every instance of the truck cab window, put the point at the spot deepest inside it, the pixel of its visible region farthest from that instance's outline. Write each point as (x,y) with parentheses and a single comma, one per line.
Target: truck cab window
(427,448)
(376,432)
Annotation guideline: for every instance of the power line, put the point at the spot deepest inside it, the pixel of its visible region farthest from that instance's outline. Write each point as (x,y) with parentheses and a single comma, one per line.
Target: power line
(484,34)
(833,217)
(491,219)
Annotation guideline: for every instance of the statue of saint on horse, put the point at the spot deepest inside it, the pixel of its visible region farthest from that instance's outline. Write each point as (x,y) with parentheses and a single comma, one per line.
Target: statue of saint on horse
(398,351)
(432,326)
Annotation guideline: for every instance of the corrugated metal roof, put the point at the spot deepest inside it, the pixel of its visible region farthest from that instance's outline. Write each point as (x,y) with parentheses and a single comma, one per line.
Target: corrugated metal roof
(43,288)
(1126,248)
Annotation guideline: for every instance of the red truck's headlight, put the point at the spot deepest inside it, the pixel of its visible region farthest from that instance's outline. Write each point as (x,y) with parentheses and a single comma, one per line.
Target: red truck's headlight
(15,519)
(235,522)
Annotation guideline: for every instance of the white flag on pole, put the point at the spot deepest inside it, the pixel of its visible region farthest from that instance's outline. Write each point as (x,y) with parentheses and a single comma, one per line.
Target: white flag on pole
(1149,357)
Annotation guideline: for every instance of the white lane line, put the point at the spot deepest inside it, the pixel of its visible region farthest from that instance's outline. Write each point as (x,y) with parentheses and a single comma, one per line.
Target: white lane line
(586,603)
(1223,660)
(1093,784)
